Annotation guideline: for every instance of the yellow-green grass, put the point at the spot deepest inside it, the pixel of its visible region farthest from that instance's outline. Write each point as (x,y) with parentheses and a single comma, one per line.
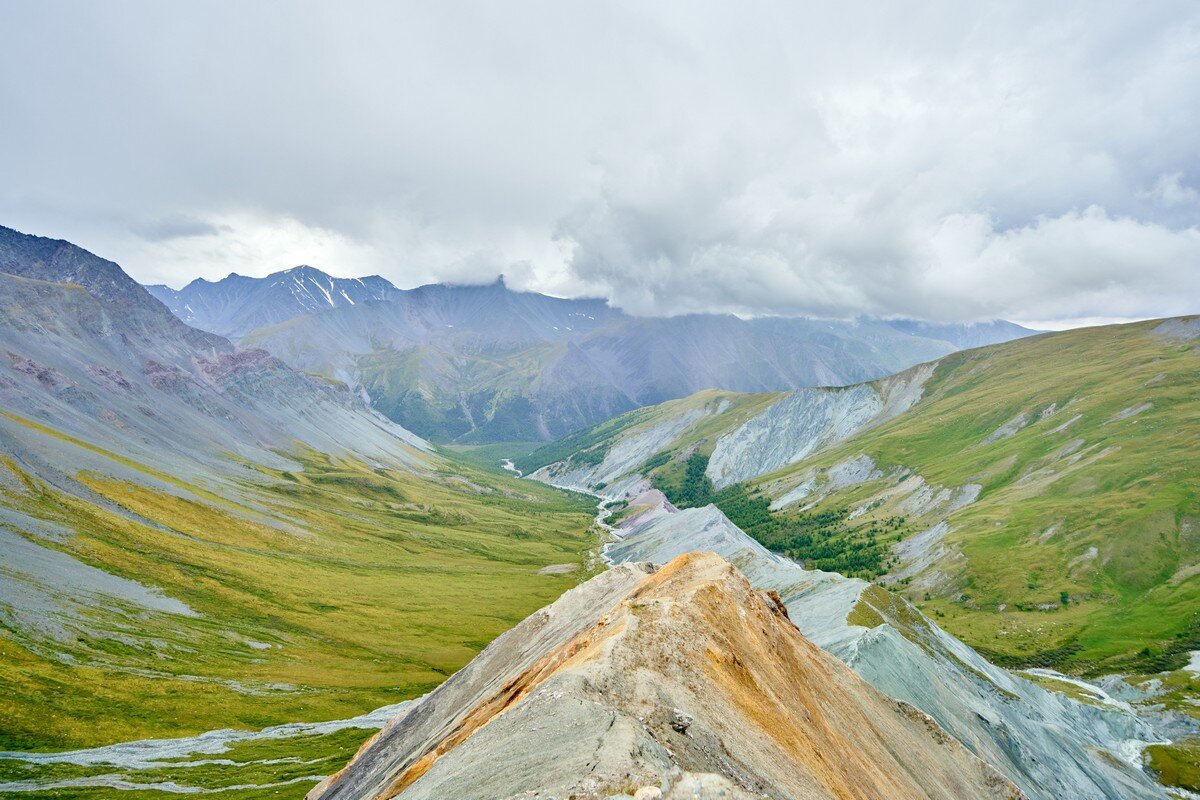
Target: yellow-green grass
(371,586)
(489,456)
(1176,764)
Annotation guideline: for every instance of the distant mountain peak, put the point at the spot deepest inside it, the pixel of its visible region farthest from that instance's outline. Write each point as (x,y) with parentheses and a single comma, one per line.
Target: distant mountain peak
(237,304)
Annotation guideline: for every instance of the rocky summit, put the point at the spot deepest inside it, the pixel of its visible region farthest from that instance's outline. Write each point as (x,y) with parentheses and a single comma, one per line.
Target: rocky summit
(678,681)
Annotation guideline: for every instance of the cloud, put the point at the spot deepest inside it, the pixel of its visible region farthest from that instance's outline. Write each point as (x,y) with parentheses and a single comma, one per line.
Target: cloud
(943,160)
(248,244)
(177,226)
(1170,191)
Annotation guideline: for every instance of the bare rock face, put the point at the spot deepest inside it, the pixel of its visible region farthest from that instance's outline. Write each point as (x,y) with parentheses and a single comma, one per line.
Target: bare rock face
(675,682)
(809,419)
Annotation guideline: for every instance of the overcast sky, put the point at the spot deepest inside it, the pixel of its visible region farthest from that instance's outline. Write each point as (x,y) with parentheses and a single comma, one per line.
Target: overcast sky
(1035,161)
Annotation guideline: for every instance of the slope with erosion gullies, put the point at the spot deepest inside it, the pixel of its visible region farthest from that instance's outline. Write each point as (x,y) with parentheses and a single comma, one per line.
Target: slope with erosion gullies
(1048,744)
(477,364)
(677,681)
(1038,496)
(198,537)
(1048,490)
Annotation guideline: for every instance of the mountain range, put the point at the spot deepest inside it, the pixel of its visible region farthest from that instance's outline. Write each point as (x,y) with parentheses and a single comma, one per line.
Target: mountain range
(473,364)
(220,571)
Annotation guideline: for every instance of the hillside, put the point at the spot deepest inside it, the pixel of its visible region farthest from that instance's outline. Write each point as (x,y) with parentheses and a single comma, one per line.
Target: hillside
(1050,744)
(1037,496)
(197,537)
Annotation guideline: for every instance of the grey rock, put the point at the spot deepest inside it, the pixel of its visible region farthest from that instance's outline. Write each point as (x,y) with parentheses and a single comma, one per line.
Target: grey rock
(1047,744)
(683,684)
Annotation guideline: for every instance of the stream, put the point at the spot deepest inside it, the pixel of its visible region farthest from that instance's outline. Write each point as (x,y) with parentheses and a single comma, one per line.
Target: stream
(121,762)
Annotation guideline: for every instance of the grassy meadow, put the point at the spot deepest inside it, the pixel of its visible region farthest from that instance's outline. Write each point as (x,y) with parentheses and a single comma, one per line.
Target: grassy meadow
(319,593)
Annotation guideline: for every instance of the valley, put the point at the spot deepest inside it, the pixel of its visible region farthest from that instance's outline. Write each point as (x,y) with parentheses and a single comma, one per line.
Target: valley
(197,538)
(599,401)
(223,573)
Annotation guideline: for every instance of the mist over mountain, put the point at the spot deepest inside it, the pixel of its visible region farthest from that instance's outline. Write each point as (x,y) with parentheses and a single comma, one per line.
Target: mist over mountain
(480,363)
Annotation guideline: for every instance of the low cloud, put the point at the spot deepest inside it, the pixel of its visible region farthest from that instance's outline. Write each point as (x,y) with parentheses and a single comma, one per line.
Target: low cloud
(179,226)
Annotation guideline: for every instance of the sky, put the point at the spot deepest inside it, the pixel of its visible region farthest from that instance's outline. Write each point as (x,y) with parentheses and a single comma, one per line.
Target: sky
(946,161)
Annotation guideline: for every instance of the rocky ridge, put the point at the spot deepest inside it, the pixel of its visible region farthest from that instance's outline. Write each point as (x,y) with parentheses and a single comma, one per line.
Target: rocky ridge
(1049,745)
(677,682)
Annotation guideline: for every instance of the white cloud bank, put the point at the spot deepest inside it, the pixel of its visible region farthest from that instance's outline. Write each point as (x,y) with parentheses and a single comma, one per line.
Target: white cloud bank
(937,160)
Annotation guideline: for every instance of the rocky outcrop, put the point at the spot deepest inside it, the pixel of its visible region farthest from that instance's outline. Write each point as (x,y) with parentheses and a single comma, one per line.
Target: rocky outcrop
(676,682)
(809,419)
(1049,745)
(625,456)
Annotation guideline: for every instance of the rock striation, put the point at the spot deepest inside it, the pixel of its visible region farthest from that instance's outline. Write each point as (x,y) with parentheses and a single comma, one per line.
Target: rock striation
(1049,745)
(676,682)
(809,419)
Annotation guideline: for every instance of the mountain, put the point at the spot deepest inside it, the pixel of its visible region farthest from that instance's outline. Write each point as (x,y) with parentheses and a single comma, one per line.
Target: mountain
(1048,744)
(1037,496)
(236,304)
(679,681)
(197,537)
(472,364)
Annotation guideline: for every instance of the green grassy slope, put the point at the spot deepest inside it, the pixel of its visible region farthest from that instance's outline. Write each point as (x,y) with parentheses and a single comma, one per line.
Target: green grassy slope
(320,593)
(1083,547)
(452,396)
